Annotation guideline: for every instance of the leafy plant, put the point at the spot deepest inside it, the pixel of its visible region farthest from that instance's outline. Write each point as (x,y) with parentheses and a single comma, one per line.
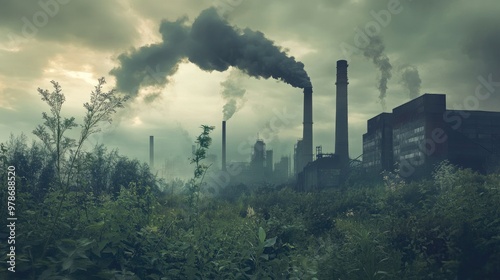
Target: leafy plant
(52,133)
(203,141)
(123,227)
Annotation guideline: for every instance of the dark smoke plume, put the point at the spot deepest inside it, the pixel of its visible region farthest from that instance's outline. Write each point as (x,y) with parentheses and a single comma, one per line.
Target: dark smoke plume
(375,52)
(411,80)
(233,94)
(212,44)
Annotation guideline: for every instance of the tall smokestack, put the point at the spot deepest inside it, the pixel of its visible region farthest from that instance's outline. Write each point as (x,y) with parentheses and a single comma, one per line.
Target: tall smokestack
(307,136)
(341,136)
(224,145)
(151,152)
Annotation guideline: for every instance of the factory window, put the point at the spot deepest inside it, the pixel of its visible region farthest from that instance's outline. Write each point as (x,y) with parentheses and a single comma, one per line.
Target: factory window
(369,144)
(418,155)
(417,138)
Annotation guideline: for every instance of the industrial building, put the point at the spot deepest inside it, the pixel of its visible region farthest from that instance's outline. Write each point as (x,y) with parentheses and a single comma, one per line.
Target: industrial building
(413,138)
(261,167)
(258,161)
(328,170)
(421,133)
(303,152)
(377,144)
(282,170)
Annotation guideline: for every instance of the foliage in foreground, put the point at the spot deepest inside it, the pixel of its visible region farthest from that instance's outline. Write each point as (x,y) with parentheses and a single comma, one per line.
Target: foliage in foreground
(111,220)
(444,228)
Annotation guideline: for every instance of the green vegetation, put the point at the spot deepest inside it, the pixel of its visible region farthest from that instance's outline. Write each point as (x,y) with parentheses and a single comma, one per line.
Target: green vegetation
(98,215)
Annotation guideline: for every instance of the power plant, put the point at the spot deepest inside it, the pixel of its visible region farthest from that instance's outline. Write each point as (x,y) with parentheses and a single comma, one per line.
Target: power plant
(310,173)
(399,138)
(328,170)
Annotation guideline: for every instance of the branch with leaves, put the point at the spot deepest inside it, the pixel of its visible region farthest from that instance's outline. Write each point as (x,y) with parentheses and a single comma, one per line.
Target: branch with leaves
(203,141)
(100,109)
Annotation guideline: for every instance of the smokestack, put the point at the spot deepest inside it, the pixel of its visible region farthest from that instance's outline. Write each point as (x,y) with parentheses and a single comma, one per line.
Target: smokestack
(224,145)
(307,135)
(341,136)
(151,152)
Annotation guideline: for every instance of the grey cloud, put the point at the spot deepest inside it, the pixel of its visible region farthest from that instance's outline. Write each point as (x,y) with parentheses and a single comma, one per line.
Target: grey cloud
(97,24)
(452,42)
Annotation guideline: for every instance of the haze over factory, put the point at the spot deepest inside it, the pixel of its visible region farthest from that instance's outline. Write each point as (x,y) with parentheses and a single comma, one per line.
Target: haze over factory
(188,63)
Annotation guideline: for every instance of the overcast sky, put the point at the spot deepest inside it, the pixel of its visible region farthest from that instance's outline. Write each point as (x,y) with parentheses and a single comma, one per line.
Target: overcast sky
(152,51)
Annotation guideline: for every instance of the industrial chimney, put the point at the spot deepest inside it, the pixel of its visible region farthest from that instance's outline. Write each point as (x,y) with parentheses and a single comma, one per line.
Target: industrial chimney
(151,152)
(341,137)
(224,145)
(307,144)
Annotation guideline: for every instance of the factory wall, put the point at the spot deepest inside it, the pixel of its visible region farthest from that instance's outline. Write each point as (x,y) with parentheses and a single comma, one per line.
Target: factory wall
(414,123)
(424,133)
(377,144)
(475,143)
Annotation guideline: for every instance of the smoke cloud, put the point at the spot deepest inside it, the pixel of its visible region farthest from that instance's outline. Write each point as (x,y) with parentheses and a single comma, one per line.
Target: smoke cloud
(375,52)
(233,94)
(411,80)
(212,44)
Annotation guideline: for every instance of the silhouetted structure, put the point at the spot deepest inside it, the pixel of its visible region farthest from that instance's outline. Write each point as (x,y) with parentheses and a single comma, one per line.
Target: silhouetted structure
(330,170)
(341,131)
(475,142)
(269,164)
(259,155)
(423,133)
(304,150)
(151,152)
(297,152)
(377,144)
(260,169)
(223,164)
(281,170)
